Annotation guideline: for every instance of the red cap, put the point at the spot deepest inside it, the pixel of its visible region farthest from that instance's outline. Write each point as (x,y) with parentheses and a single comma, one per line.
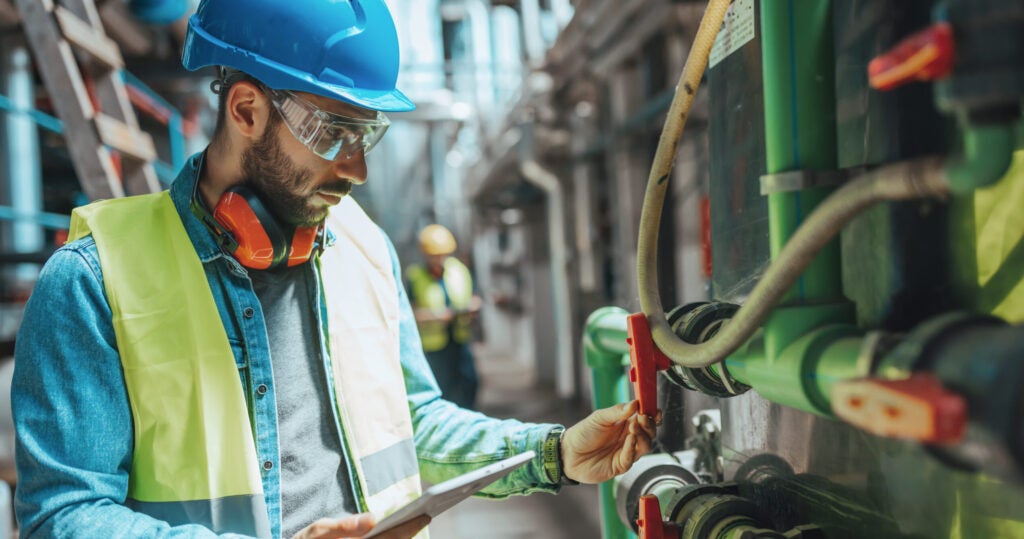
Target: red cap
(917,408)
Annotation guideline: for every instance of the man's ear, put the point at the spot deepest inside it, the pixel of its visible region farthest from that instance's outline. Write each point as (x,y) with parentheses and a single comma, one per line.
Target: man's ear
(248,109)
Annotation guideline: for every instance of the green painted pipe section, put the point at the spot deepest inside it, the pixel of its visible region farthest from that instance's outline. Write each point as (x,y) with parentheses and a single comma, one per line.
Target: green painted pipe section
(604,348)
(987,155)
(803,374)
(800,134)
(605,333)
(800,127)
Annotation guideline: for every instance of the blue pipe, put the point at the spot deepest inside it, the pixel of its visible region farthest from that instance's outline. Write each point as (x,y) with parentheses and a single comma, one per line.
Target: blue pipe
(54,221)
(42,119)
(159,11)
(22,167)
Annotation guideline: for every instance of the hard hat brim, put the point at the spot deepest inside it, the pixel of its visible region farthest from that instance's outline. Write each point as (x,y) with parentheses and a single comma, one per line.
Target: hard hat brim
(214,52)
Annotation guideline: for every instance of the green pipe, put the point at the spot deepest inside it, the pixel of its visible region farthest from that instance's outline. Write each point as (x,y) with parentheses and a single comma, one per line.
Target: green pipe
(987,155)
(800,134)
(604,348)
(802,375)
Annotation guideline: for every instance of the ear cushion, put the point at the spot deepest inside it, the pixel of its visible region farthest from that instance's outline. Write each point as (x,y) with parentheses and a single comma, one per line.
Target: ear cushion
(303,243)
(262,242)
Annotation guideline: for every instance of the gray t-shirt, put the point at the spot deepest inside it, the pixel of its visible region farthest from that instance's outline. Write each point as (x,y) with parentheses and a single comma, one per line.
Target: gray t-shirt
(314,476)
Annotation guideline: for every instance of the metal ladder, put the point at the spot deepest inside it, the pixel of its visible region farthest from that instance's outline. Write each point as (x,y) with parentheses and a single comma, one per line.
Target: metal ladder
(55,32)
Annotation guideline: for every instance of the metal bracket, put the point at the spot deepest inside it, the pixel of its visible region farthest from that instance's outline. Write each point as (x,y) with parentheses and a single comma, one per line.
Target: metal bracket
(798,180)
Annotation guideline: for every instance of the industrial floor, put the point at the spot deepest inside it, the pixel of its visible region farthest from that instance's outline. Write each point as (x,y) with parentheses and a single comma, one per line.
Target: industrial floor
(507,390)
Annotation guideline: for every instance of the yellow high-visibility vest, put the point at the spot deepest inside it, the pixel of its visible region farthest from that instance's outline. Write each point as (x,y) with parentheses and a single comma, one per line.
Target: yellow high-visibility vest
(427,293)
(194,457)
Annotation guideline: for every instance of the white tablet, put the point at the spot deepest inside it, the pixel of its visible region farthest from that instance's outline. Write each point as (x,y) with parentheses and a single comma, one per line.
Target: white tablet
(443,496)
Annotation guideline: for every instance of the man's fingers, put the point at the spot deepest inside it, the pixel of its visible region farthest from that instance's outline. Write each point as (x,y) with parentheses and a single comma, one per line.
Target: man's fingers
(331,528)
(615,414)
(643,447)
(407,530)
(628,454)
(648,425)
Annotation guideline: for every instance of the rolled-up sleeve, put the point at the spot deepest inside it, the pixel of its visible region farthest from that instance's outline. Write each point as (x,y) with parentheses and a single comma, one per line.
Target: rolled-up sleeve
(451,440)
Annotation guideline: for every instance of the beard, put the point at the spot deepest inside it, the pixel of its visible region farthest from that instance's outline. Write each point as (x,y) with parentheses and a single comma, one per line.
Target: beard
(282,185)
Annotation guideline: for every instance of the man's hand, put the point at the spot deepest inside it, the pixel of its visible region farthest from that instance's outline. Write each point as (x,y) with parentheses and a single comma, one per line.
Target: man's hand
(358,526)
(606,443)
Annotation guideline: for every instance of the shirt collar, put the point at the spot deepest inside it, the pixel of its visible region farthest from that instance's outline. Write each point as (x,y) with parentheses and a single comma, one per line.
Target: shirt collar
(181,194)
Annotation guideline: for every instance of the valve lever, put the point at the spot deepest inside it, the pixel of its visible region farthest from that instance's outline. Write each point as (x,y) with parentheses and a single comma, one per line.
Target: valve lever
(646,360)
(650,525)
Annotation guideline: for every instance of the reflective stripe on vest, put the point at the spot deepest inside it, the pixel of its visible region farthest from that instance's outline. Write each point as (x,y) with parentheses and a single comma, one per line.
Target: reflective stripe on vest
(427,293)
(194,459)
(365,359)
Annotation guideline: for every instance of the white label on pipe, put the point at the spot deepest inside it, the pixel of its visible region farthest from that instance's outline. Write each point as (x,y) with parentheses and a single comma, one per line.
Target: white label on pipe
(738,29)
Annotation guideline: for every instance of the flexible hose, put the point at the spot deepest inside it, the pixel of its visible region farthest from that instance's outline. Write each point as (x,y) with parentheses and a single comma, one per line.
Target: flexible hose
(899,181)
(657,182)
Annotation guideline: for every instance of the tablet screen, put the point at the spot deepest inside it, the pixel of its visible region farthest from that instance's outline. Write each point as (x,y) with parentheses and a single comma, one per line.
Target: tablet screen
(443,496)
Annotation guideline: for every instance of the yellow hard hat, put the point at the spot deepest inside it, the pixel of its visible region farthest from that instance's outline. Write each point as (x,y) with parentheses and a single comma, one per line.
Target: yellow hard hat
(436,240)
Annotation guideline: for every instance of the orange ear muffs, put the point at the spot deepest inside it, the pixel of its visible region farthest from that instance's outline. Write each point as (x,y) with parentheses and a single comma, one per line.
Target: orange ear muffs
(254,236)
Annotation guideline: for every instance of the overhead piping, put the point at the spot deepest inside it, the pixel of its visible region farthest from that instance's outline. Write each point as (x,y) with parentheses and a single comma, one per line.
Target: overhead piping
(536,174)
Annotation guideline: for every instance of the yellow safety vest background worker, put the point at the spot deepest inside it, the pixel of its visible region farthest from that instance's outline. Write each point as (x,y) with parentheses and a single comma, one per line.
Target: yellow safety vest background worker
(427,293)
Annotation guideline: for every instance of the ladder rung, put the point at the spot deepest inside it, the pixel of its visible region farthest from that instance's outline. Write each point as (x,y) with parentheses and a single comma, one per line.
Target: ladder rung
(82,35)
(130,142)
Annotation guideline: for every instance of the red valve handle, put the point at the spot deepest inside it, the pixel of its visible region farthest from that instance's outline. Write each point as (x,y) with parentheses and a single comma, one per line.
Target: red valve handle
(650,525)
(926,55)
(647,360)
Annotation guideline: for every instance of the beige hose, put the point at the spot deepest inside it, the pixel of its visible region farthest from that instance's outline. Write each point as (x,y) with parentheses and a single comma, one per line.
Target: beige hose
(657,182)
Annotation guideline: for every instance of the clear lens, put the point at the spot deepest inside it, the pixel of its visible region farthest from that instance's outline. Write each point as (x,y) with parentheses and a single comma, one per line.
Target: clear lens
(327,134)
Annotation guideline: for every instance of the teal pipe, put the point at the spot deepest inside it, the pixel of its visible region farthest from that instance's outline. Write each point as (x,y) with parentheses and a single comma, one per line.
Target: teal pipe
(159,11)
(606,353)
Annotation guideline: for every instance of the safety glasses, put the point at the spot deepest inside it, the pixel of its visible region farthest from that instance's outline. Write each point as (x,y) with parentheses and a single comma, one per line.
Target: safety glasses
(327,134)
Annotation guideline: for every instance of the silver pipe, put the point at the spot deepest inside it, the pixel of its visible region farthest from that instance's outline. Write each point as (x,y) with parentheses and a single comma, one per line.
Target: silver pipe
(565,383)
(483,56)
(533,40)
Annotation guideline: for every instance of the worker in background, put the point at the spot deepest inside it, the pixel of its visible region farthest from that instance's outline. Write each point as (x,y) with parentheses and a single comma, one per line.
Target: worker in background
(445,308)
(237,355)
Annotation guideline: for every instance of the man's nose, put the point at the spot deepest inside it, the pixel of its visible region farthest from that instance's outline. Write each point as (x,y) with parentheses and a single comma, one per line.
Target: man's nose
(351,168)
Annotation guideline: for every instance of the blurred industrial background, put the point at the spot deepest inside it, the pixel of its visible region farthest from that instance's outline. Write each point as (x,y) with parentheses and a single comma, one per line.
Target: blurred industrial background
(534,135)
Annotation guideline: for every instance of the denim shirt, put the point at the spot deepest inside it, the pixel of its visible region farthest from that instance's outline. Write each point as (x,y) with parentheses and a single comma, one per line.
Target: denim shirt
(74,423)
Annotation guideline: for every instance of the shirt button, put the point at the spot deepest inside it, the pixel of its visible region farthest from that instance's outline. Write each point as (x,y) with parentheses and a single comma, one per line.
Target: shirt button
(249,312)
(267,465)
(261,389)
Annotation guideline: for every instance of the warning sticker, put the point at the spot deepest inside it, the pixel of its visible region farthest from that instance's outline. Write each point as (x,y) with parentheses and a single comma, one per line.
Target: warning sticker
(737,30)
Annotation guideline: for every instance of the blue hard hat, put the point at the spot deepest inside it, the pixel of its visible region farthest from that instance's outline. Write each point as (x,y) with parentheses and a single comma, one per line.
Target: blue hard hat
(340,49)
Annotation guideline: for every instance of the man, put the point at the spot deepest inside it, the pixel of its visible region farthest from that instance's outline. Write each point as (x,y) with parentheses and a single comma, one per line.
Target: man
(236,356)
(444,306)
